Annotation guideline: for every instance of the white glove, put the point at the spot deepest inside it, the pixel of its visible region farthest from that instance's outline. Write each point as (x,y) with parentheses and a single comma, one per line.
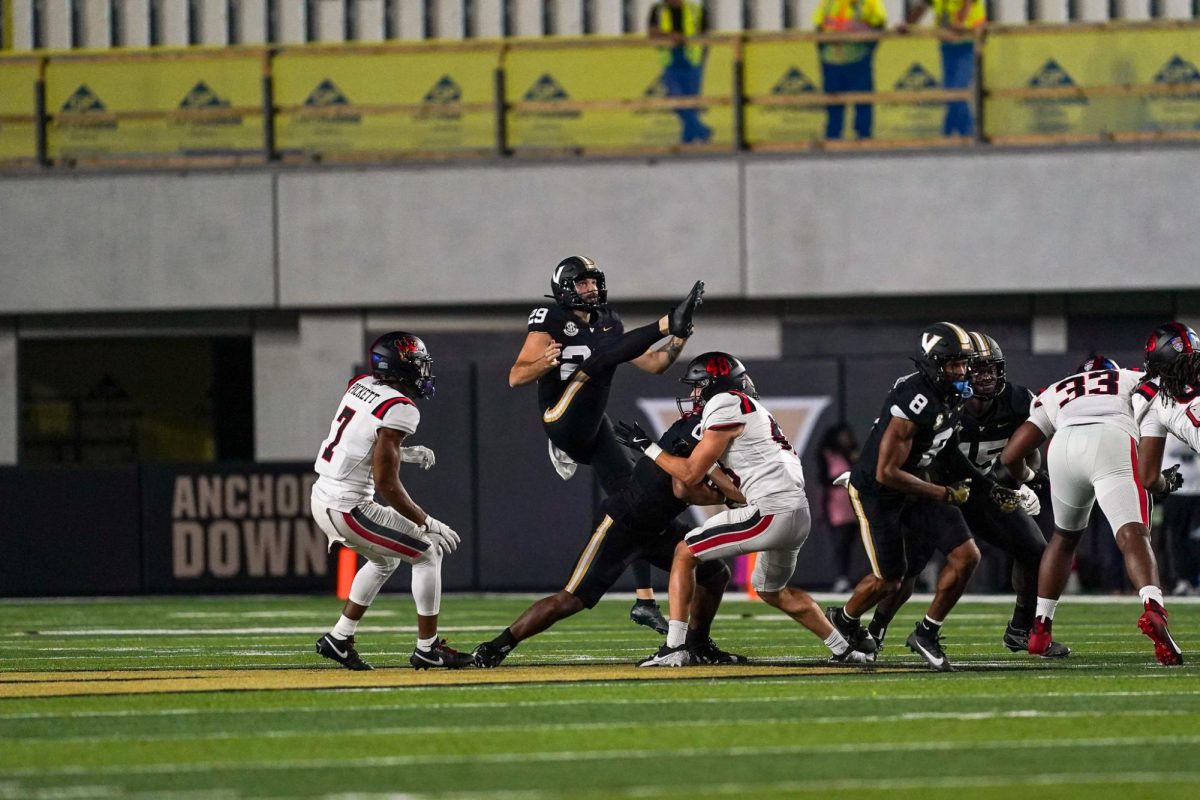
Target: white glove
(441,534)
(1029,501)
(421,456)
(842,480)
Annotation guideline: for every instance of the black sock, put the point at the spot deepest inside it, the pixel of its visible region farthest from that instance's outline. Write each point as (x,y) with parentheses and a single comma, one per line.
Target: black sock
(844,620)
(1022,618)
(927,628)
(878,630)
(641,601)
(505,642)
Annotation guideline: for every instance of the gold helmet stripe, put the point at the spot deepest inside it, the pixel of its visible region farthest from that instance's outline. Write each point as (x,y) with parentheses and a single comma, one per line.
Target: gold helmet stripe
(964,338)
(982,349)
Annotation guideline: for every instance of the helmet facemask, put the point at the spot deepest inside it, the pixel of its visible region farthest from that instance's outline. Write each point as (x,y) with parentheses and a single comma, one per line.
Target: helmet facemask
(568,273)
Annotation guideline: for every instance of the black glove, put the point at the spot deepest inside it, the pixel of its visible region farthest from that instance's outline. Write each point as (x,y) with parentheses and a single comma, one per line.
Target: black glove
(632,436)
(679,319)
(1173,480)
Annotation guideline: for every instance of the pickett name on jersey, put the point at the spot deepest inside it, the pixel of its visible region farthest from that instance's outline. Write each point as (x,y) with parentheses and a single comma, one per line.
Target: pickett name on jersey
(363,393)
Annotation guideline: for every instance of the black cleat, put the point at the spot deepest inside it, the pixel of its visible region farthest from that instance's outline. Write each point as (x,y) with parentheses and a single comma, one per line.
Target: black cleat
(855,634)
(679,319)
(440,656)
(342,651)
(679,656)
(929,648)
(488,655)
(707,652)
(1017,640)
(650,615)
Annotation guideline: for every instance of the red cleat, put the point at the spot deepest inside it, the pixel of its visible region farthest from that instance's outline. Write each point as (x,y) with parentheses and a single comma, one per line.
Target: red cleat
(1040,637)
(1153,623)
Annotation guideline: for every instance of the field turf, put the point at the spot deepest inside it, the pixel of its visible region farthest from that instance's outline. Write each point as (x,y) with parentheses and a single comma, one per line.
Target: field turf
(224,698)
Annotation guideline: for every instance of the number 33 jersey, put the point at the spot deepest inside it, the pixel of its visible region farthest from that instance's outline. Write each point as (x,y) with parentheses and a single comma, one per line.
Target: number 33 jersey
(1102,396)
(766,467)
(345,458)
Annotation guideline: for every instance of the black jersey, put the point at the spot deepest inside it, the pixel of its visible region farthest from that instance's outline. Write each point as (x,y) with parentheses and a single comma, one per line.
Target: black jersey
(648,502)
(914,397)
(982,438)
(580,341)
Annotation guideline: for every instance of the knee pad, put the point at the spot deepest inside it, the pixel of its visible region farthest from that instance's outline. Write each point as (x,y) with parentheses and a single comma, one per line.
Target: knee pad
(713,575)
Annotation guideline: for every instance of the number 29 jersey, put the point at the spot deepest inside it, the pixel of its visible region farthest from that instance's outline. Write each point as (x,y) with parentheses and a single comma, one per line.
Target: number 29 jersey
(767,467)
(579,341)
(345,459)
(1101,396)
(916,399)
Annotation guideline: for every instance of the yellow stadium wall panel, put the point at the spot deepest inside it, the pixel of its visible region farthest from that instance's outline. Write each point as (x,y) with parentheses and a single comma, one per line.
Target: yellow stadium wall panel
(1092,84)
(18,132)
(333,104)
(116,109)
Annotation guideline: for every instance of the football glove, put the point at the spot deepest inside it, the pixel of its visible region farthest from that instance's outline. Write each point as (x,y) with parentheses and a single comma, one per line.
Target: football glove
(632,436)
(679,319)
(421,456)
(1008,500)
(1172,481)
(1030,503)
(441,534)
(958,492)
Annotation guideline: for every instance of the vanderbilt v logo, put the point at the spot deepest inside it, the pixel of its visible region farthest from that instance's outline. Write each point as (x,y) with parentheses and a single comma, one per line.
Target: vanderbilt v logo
(929,341)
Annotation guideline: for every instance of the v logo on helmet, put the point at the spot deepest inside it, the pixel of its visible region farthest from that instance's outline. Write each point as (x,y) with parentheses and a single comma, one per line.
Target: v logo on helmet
(929,341)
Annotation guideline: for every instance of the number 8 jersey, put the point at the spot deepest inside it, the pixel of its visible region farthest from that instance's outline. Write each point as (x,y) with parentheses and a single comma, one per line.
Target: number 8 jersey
(1101,396)
(345,458)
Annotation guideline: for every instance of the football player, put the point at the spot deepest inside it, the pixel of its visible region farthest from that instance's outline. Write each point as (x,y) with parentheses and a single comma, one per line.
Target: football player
(572,350)
(903,515)
(1093,457)
(360,458)
(634,523)
(990,416)
(740,438)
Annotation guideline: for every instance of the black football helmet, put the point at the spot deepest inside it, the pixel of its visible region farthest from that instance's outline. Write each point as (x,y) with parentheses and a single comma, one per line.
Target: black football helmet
(941,343)
(713,372)
(986,367)
(402,358)
(577,268)
(1095,361)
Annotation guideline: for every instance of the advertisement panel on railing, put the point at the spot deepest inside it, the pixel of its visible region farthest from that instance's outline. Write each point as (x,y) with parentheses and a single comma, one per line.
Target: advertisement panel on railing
(18,134)
(784,81)
(1137,81)
(582,93)
(126,108)
(386,101)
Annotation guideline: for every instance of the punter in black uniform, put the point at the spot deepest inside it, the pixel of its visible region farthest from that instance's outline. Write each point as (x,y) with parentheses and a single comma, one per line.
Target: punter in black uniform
(990,416)
(899,509)
(634,523)
(572,350)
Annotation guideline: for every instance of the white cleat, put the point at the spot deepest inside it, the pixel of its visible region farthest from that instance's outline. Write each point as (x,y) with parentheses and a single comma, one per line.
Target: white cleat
(669,657)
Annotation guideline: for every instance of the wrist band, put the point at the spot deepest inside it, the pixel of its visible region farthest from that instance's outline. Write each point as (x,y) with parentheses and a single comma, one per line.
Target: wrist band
(716,466)
(654,451)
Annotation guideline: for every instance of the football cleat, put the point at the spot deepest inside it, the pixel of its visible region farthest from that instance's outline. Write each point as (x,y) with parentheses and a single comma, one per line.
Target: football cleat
(679,320)
(929,648)
(487,655)
(1017,640)
(1153,623)
(854,633)
(1039,638)
(852,658)
(440,656)
(650,615)
(669,657)
(342,651)
(707,652)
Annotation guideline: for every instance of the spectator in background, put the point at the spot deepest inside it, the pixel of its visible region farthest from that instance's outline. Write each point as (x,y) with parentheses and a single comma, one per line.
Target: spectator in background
(839,451)
(848,66)
(958,20)
(677,22)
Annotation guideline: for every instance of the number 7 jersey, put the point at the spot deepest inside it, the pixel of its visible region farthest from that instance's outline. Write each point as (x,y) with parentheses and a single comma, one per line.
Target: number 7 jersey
(1098,397)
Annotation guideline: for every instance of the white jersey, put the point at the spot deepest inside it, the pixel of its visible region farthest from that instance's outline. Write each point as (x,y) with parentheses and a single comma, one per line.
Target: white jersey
(1102,396)
(761,458)
(1181,417)
(345,458)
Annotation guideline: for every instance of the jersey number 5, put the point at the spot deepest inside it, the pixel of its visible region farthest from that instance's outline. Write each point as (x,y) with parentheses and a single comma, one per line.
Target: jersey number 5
(344,418)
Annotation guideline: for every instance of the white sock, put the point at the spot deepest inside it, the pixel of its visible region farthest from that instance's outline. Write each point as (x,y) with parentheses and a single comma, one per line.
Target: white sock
(345,628)
(837,643)
(425,644)
(1045,608)
(676,633)
(1151,592)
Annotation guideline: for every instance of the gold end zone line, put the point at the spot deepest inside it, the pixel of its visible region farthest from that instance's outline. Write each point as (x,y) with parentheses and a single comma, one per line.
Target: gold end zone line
(73,684)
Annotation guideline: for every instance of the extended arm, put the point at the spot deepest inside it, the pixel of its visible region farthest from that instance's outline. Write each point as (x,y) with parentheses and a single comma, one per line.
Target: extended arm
(538,355)
(659,361)
(1150,472)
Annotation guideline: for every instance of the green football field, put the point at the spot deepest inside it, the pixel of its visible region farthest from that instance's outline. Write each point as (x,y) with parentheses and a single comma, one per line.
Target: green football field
(225,698)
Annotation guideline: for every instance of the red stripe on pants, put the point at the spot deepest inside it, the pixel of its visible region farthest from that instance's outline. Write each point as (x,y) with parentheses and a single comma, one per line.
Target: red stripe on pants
(733,536)
(382,541)
(1143,503)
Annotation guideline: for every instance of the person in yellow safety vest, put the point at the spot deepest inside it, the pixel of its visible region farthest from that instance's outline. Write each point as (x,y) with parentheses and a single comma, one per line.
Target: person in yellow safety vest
(961,18)
(678,22)
(848,66)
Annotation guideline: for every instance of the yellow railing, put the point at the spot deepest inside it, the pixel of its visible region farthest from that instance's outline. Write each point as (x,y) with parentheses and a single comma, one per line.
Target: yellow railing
(583,96)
